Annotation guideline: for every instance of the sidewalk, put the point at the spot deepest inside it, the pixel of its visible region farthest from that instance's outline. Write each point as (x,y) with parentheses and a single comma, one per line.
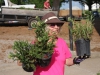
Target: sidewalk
(90,66)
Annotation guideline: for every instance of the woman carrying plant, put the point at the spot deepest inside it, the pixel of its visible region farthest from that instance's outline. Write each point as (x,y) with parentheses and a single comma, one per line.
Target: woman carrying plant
(61,54)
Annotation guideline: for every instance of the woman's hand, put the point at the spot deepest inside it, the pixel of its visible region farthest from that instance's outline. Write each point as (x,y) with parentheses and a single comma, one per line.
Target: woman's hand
(78,60)
(69,62)
(19,63)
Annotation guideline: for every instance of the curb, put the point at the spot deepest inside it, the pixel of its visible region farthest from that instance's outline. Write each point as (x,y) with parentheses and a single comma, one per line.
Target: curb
(93,54)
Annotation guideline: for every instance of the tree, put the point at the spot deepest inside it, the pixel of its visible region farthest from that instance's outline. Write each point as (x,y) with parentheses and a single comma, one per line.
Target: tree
(19,2)
(56,4)
(1,1)
(89,2)
(39,3)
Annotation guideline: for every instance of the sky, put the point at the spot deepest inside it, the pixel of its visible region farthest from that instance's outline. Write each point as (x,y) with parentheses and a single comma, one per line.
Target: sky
(74,4)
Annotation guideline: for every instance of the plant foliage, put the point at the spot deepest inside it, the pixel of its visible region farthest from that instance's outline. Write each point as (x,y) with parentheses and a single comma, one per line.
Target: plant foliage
(29,53)
(43,45)
(24,52)
(82,29)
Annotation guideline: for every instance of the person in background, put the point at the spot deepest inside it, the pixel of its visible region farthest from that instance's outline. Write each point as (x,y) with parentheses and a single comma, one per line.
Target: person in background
(47,4)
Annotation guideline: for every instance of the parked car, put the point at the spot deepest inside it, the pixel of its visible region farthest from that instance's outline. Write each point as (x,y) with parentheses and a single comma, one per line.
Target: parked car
(95,14)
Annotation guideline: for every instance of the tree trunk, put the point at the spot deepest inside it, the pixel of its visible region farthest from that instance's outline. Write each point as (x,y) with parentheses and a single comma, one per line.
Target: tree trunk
(90,8)
(56,4)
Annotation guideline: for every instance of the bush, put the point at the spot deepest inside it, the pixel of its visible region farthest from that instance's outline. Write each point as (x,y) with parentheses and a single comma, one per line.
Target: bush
(82,29)
(30,54)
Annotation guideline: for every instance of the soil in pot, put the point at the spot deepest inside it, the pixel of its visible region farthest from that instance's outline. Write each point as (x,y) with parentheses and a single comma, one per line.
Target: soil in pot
(45,61)
(27,69)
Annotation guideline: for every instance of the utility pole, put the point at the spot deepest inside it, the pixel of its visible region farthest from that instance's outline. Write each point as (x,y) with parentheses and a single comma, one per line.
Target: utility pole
(71,25)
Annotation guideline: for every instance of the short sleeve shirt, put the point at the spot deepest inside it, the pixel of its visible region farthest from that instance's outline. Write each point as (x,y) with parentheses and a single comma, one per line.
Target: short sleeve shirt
(56,66)
(46,4)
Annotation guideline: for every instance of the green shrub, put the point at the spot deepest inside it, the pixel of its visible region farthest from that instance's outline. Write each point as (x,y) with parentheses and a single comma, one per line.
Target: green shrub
(29,53)
(82,30)
(98,73)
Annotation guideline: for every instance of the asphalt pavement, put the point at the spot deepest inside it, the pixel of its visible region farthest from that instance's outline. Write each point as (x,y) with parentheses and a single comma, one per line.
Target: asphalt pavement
(90,66)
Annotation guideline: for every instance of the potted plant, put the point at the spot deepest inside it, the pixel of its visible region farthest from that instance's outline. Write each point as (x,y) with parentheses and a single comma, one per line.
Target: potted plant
(24,52)
(82,32)
(43,45)
(39,53)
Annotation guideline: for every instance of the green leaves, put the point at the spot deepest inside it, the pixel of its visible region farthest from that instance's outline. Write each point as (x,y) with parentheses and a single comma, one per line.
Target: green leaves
(21,50)
(24,52)
(29,53)
(82,29)
(42,45)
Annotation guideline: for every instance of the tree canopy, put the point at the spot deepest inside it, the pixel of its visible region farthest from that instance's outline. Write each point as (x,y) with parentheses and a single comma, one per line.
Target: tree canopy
(38,3)
(89,2)
(1,1)
(55,3)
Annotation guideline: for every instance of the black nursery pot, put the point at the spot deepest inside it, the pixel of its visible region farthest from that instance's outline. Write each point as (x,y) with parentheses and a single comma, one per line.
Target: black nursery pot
(45,61)
(82,47)
(30,69)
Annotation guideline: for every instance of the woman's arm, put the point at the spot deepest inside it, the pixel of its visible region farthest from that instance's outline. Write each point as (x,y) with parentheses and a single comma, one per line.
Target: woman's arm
(69,61)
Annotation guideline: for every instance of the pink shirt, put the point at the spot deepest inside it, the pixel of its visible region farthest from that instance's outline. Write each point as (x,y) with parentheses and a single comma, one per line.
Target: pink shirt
(46,4)
(56,66)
